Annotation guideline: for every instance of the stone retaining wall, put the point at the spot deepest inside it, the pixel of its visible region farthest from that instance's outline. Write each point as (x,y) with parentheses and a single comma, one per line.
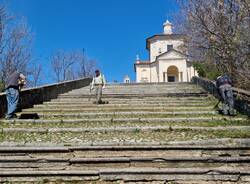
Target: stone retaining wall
(242,97)
(38,95)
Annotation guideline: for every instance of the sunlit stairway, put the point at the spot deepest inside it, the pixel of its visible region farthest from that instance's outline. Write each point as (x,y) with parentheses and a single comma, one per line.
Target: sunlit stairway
(156,133)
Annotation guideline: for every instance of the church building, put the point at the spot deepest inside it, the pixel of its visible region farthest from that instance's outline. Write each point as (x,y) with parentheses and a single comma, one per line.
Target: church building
(168,61)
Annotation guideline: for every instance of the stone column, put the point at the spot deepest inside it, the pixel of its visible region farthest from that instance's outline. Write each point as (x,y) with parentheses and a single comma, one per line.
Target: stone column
(179,76)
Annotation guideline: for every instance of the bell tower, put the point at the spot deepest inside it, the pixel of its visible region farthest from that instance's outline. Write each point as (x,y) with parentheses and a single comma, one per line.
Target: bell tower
(167,26)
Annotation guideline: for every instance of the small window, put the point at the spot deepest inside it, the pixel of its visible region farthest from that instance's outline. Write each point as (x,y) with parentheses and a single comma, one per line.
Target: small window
(169,47)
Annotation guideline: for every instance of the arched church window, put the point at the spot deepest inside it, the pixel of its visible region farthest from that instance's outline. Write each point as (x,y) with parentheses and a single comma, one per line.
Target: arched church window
(144,77)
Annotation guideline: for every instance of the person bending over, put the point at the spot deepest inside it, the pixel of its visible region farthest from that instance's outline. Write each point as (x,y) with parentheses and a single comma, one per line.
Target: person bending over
(15,81)
(224,85)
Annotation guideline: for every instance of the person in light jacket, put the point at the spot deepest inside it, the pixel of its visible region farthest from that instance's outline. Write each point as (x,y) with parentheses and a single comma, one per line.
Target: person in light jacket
(99,84)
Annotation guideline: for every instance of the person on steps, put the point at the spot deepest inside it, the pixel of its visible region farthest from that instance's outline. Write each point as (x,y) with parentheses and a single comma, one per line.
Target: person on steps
(99,84)
(15,81)
(224,86)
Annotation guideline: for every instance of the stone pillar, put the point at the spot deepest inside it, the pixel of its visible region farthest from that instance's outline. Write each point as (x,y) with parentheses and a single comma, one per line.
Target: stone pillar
(180,76)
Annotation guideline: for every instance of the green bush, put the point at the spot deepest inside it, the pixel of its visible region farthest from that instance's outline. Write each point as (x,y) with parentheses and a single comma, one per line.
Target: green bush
(207,70)
(1,86)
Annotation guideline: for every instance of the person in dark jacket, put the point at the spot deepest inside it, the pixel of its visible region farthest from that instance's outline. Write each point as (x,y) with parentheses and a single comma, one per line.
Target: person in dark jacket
(13,84)
(224,85)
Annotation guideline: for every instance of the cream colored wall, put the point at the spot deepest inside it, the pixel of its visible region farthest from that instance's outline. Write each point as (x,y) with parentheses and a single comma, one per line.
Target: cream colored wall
(191,73)
(151,73)
(142,71)
(179,63)
(162,44)
(154,76)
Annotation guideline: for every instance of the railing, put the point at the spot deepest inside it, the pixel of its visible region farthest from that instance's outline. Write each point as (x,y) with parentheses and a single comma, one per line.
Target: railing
(38,95)
(242,97)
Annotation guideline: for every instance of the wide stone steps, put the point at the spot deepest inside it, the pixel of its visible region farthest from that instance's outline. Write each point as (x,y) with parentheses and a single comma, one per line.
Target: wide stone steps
(119,135)
(158,90)
(120,163)
(152,133)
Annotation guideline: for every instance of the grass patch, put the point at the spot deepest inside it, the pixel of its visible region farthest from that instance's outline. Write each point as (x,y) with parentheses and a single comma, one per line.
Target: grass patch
(133,136)
(106,124)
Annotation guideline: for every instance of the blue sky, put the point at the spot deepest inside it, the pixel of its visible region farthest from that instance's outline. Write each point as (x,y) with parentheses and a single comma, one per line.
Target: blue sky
(111,31)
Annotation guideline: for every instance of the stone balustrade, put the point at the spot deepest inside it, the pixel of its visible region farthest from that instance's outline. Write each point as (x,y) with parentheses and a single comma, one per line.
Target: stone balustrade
(242,97)
(38,95)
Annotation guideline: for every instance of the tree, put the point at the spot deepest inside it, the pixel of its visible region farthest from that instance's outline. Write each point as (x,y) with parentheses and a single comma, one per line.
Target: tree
(69,65)
(218,33)
(86,65)
(35,75)
(15,44)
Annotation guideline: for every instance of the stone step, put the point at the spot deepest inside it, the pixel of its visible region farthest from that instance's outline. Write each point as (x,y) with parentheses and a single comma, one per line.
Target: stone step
(51,113)
(18,161)
(176,115)
(87,101)
(208,97)
(120,107)
(31,164)
(133,92)
(160,104)
(132,135)
(128,120)
(148,87)
(214,174)
(168,99)
(111,92)
(177,94)
(139,95)
(126,107)
(109,123)
(121,129)
(213,147)
(57,109)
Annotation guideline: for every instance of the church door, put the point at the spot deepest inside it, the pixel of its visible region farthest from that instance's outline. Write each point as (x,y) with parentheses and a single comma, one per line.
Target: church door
(172,74)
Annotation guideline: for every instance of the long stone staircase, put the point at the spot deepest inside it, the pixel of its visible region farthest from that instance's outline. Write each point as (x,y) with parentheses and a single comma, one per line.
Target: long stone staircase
(147,133)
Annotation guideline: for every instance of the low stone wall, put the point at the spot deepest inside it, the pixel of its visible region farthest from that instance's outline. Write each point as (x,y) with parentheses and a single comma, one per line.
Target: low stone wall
(38,95)
(242,97)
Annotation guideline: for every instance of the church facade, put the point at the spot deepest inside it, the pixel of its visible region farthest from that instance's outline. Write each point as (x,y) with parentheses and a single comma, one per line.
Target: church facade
(168,61)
